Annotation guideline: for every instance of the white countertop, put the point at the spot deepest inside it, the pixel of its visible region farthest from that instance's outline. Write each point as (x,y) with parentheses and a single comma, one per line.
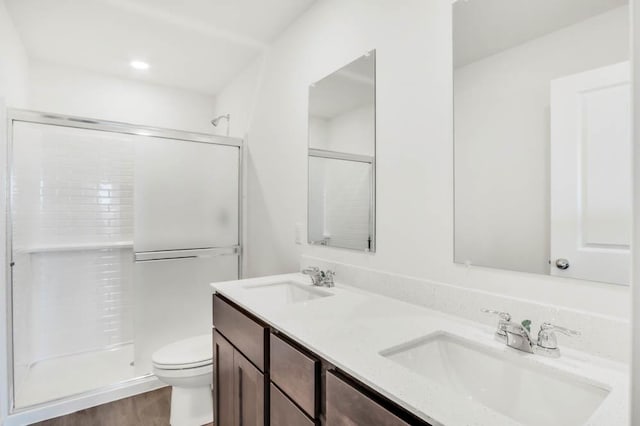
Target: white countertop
(350,328)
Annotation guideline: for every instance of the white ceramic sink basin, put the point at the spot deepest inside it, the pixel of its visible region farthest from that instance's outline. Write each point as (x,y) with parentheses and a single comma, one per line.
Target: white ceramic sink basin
(287,292)
(529,393)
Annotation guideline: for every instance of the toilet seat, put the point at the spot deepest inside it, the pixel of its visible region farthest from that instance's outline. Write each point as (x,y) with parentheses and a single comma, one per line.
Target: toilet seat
(183,373)
(192,353)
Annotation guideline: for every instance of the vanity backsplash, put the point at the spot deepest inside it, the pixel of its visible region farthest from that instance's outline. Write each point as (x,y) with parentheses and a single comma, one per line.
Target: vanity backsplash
(601,335)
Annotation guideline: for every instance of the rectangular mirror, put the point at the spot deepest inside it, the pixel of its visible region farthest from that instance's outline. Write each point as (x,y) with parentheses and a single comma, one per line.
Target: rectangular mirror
(542,119)
(342,134)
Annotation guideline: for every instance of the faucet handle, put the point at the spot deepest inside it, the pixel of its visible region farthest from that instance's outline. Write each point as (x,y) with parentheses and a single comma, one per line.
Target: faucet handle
(327,278)
(311,270)
(329,274)
(547,326)
(547,337)
(505,316)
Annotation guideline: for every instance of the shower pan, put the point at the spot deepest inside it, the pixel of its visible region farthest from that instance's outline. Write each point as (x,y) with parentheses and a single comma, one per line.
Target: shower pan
(114,233)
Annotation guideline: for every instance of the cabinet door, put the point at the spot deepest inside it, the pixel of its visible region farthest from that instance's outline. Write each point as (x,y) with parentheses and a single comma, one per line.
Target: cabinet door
(250,393)
(224,380)
(347,406)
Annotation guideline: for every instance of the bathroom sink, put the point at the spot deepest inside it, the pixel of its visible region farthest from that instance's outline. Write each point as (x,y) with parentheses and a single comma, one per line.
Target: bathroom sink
(287,292)
(529,393)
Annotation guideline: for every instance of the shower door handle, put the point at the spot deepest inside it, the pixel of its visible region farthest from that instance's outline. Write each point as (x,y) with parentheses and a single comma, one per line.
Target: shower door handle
(163,255)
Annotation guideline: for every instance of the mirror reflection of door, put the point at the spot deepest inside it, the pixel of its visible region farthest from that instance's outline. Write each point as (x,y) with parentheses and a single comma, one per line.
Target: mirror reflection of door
(541,117)
(591,178)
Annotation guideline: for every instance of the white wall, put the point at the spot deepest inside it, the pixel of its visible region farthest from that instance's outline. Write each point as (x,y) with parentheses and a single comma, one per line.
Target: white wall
(635,299)
(4,315)
(13,93)
(72,91)
(414,150)
(352,132)
(14,63)
(502,140)
(238,99)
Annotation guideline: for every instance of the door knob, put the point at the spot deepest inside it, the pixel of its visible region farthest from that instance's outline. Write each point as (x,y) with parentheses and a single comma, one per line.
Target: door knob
(562,264)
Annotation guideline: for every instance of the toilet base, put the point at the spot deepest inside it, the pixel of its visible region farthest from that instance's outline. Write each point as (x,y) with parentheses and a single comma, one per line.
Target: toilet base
(191,406)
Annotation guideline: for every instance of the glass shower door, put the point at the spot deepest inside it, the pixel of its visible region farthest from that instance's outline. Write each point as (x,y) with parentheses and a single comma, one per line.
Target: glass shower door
(116,233)
(186,236)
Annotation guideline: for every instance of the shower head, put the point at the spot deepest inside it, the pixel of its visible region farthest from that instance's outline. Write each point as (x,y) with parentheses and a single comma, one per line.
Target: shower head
(216,120)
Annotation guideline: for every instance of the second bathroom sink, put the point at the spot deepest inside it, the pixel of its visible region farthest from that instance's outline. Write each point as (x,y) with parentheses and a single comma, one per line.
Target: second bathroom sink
(525,391)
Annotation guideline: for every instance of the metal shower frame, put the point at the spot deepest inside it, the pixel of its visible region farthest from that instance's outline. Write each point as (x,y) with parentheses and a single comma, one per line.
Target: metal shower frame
(36,117)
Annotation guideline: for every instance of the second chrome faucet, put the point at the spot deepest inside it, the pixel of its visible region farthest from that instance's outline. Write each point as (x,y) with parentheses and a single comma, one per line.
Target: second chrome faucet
(518,336)
(320,278)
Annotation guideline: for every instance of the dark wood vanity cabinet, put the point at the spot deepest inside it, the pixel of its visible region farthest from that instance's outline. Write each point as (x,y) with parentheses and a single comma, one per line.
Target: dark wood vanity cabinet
(224,380)
(262,377)
(239,387)
(239,359)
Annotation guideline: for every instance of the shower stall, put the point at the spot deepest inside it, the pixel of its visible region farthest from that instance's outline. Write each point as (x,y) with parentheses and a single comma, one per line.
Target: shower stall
(114,232)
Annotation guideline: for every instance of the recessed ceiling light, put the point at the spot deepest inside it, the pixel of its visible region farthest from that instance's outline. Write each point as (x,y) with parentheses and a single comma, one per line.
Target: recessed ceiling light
(139,65)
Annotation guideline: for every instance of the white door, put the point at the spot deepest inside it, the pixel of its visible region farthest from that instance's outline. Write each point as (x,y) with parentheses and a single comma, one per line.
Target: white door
(591,200)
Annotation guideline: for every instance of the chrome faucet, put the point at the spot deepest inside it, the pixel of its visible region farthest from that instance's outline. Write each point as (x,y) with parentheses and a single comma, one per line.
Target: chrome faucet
(320,278)
(518,336)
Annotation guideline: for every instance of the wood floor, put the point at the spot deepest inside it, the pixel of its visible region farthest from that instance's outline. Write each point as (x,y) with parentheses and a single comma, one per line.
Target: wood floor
(147,409)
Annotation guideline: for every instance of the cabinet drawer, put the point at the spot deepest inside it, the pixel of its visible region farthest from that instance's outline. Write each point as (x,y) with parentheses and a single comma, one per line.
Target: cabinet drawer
(283,412)
(346,405)
(243,332)
(296,374)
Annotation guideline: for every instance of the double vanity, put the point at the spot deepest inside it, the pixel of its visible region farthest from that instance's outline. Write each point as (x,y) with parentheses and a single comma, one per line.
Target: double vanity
(287,352)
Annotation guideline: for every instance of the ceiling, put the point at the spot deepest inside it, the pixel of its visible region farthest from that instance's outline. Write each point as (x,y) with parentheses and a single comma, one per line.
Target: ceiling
(350,87)
(485,27)
(198,45)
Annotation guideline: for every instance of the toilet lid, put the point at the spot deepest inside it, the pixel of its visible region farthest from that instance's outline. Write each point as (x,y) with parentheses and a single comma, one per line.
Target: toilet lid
(187,353)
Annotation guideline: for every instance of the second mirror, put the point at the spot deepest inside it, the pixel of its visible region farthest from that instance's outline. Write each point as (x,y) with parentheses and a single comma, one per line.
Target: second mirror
(342,134)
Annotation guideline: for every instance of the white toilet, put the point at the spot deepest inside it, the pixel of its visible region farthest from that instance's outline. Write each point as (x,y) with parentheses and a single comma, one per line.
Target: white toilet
(187,366)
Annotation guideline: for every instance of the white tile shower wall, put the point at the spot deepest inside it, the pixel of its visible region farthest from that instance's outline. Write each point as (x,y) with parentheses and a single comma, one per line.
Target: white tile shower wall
(339,202)
(347,201)
(317,199)
(72,188)
(602,335)
(80,301)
